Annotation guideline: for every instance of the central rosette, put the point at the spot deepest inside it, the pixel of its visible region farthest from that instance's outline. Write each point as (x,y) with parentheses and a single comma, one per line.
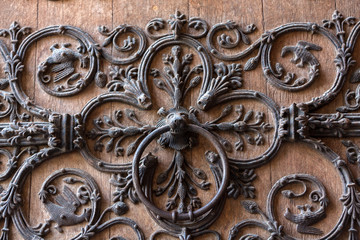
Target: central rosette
(178,173)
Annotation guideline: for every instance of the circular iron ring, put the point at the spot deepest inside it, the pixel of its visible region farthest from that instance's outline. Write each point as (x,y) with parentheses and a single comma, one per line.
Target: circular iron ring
(175,216)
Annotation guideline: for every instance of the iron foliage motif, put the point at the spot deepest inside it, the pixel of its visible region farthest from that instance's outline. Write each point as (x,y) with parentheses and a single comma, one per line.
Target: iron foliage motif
(178,129)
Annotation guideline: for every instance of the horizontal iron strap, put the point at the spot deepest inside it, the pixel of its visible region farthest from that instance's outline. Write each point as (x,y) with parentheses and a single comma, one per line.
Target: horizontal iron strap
(334,125)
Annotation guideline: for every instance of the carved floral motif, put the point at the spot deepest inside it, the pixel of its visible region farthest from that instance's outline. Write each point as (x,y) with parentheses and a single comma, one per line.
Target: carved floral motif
(67,71)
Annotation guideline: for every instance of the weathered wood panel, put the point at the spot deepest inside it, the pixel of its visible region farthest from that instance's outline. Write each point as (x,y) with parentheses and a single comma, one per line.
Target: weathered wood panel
(293,157)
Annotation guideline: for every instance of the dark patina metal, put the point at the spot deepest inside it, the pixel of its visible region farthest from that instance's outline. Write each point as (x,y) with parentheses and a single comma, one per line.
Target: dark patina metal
(184,216)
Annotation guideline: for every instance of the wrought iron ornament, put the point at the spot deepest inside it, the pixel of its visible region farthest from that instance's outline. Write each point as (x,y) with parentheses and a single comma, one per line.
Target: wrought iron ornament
(69,70)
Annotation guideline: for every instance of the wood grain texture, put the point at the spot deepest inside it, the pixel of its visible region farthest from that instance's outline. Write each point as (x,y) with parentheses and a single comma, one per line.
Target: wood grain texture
(265,14)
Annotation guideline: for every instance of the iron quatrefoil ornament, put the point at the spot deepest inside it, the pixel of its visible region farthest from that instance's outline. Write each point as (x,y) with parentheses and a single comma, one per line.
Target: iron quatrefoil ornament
(69,70)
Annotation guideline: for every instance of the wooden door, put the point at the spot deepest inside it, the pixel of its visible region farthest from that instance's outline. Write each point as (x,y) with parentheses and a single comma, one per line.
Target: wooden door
(179,119)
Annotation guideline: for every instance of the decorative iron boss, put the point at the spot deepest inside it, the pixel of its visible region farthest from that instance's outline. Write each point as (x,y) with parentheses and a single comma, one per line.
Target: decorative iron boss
(178,128)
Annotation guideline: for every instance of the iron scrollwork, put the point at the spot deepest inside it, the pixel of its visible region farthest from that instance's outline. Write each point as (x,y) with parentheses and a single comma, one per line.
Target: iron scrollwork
(304,219)
(186,65)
